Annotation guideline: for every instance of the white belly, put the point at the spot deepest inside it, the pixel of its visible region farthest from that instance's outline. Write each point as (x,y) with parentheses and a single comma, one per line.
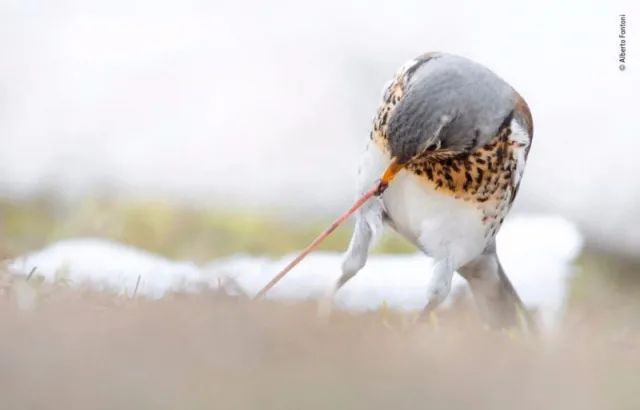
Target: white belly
(437,223)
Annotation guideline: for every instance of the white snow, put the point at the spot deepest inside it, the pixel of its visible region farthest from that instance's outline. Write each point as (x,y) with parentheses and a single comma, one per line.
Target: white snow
(108,266)
(536,251)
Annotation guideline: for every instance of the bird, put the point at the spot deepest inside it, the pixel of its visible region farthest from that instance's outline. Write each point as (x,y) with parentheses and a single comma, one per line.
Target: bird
(458,138)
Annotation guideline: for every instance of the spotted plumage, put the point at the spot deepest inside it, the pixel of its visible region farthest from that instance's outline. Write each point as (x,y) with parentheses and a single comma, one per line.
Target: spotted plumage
(462,136)
(485,174)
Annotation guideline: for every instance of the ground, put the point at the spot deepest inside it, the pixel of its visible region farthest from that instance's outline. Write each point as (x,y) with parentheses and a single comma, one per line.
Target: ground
(64,347)
(85,350)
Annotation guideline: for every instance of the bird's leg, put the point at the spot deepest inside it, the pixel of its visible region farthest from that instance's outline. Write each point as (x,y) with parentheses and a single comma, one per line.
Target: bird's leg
(439,285)
(497,300)
(368,223)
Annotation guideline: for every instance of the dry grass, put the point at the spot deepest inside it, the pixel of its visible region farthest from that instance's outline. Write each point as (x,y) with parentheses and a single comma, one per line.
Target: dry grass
(76,350)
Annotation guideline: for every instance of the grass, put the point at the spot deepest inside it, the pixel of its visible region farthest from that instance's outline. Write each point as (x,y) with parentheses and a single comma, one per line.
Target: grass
(75,349)
(201,234)
(63,348)
(176,231)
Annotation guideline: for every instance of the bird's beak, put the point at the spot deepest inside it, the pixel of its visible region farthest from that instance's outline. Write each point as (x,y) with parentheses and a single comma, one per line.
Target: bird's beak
(392,169)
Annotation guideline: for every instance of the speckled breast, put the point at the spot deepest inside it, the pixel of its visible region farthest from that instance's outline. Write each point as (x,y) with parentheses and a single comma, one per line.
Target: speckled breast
(487,176)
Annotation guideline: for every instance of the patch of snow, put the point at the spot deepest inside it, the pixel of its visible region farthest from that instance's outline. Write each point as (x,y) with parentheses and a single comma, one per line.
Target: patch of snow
(536,251)
(109,266)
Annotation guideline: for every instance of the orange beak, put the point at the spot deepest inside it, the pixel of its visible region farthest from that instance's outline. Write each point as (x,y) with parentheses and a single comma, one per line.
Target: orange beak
(388,175)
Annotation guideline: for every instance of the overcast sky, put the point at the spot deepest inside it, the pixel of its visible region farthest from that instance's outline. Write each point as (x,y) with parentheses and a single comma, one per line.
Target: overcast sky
(271,103)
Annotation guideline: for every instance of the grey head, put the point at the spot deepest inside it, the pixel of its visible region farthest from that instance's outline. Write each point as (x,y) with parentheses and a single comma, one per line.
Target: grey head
(449,102)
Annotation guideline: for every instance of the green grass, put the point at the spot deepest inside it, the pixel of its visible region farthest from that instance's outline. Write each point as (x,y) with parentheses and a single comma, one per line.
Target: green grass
(176,231)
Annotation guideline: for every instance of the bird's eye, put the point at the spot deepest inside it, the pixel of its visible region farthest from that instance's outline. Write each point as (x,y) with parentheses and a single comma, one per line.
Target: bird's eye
(433,146)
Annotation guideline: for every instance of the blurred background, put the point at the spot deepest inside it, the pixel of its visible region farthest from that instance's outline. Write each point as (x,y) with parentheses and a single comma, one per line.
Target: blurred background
(195,130)
(198,129)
